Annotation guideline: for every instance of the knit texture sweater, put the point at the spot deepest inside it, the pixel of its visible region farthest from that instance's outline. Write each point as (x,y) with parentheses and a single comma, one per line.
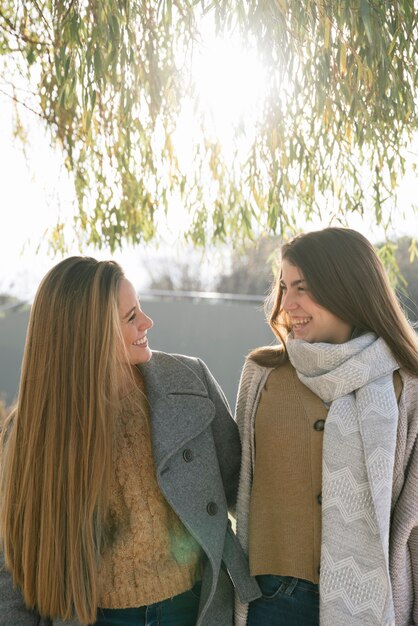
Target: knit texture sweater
(403,544)
(286,499)
(285,508)
(152,556)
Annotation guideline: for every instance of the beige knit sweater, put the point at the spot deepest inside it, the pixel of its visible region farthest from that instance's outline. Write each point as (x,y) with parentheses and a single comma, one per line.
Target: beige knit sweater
(404,523)
(285,515)
(152,556)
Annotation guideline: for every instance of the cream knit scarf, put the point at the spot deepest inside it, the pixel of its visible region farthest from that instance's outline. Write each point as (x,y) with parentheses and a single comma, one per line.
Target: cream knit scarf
(358,457)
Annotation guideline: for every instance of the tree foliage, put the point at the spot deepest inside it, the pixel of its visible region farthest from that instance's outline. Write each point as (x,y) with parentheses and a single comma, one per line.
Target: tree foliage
(111,79)
(252,270)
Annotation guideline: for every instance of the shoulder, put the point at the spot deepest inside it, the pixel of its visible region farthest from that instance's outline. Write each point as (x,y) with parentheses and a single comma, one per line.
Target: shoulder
(408,415)
(409,388)
(253,376)
(408,400)
(175,363)
(176,373)
(254,370)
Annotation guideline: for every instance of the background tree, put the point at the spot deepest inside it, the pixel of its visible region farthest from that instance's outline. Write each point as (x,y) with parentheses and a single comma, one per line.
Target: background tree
(408,270)
(111,79)
(252,270)
(173,275)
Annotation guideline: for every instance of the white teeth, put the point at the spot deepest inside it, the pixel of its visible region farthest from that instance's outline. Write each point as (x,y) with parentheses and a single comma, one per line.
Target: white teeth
(301,321)
(140,342)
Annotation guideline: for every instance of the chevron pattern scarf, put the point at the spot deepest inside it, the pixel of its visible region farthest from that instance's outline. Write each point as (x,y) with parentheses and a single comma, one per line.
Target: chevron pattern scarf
(356,378)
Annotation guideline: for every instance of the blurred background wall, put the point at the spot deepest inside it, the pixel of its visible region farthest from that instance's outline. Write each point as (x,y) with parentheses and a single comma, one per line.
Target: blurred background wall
(218,329)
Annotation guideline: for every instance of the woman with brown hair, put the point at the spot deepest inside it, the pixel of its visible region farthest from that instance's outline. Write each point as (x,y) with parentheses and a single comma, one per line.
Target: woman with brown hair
(327,502)
(117,469)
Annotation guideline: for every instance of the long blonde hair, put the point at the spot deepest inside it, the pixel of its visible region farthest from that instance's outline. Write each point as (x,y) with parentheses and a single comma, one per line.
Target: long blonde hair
(345,276)
(57,449)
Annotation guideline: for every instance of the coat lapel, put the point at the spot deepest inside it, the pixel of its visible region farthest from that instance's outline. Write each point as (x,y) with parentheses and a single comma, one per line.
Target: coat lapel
(180,408)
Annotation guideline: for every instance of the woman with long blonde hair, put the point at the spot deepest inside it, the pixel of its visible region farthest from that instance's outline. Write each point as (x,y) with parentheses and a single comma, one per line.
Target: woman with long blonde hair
(117,469)
(328,496)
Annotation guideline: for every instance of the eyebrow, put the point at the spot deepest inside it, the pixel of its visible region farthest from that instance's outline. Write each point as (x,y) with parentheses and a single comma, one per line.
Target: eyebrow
(294,283)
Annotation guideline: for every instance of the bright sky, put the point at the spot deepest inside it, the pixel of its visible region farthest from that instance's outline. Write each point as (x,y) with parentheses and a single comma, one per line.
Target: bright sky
(36,190)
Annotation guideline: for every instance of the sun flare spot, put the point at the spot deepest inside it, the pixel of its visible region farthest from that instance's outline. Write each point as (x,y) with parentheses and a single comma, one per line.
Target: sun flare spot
(230,85)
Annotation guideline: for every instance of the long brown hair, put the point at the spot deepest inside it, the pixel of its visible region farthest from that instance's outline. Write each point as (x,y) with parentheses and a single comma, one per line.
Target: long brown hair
(345,276)
(57,454)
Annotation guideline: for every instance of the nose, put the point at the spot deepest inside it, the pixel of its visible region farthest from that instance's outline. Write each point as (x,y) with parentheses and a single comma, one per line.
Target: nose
(288,303)
(144,322)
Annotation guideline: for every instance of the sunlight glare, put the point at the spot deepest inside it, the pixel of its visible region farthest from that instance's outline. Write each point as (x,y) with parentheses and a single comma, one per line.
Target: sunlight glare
(230,84)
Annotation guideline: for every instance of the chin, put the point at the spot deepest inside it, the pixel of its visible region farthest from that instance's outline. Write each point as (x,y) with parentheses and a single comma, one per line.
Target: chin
(143,359)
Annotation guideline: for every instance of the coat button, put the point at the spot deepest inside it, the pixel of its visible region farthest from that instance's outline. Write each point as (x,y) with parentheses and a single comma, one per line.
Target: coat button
(212,508)
(319,498)
(319,425)
(187,455)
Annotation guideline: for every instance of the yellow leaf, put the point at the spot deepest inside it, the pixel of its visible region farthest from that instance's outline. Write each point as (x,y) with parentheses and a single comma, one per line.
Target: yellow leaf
(343,59)
(360,72)
(274,139)
(327,32)
(348,133)
(282,5)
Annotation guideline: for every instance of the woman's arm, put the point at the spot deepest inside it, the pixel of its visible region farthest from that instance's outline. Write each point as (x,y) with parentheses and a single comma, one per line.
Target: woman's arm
(404,523)
(413,547)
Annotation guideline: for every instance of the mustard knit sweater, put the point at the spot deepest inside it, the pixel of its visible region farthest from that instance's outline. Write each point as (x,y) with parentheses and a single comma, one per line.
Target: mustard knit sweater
(152,556)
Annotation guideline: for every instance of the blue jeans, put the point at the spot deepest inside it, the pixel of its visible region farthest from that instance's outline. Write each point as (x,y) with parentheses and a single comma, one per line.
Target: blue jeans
(285,601)
(180,610)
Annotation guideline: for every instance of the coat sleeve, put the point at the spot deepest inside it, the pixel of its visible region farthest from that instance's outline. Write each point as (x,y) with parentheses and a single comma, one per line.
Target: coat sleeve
(413,547)
(410,519)
(404,523)
(411,489)
(226,437)
(410,501)
(243,397)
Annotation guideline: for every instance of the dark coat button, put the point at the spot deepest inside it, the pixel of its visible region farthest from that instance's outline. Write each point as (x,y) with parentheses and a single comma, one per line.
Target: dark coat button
(319,498)
(319,425)
(187,455)
(212,508)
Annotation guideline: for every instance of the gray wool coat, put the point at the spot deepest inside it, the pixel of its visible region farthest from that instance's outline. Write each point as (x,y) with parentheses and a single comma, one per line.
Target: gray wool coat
(196,452)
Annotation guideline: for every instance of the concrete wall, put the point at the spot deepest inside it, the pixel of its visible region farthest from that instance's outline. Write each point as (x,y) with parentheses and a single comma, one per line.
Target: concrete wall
(13,327)
(220,332)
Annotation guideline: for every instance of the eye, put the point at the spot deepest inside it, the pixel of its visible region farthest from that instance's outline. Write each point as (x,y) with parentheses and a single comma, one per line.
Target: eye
(283,287)
(132,318)
(301,288)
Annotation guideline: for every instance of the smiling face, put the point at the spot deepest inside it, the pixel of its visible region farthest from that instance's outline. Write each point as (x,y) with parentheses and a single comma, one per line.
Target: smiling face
(310,321)
(134,324)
